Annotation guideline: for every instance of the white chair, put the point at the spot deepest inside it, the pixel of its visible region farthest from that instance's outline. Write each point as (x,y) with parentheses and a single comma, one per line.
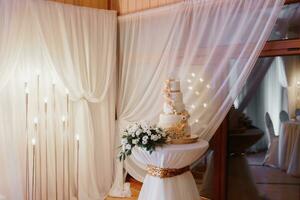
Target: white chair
(284,116)
(271,158)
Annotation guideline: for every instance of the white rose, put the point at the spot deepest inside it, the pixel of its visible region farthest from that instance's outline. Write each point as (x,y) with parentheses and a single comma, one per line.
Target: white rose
(148,132)
(154,137)
(124,141)
(145,126)
(135,141)
(138,132)
(144,141)
(133,134)
(128,146)
(145,138)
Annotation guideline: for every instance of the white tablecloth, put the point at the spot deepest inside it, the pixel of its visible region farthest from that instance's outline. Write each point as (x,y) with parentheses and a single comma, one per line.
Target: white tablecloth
(171,156)
(289,147)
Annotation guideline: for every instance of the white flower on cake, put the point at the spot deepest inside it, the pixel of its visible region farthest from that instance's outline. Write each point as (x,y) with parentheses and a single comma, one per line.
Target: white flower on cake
(128,146)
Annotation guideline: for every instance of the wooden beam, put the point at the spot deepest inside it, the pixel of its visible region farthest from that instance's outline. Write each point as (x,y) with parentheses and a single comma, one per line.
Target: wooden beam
(281,48)
(291,1)
(219,147)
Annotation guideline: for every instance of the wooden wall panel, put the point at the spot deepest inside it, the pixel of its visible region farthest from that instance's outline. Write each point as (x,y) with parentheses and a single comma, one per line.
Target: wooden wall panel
(129,6)
(101,4)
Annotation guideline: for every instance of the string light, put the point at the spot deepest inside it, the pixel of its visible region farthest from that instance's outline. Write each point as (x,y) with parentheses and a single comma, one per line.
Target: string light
(46,99)
(189,80)
(208,86)
(204,105)
(190,88)
(77,137)
(196,121)
(193,74)
(201,80)
(193,106)
(197,93)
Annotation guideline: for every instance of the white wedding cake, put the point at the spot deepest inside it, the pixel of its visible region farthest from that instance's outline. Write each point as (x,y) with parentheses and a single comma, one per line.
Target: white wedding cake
(174,119)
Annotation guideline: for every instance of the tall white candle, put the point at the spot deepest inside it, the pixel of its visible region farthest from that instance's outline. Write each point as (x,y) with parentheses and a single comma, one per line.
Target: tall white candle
(26,132)
(63,119)
(77,165)
(46,141)
(55,137)
(33,182)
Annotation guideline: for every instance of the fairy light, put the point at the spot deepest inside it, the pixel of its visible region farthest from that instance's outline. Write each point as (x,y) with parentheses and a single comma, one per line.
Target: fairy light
(201,80)
(193,74)
(205,105)
(189,80)
(197,93)
(190,88)
(77,137)
(196,121)
(193,106)
(208,86)
(46,100)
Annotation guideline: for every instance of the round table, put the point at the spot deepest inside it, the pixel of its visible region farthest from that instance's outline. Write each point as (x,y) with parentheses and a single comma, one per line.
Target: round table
(171,156)
(289,147)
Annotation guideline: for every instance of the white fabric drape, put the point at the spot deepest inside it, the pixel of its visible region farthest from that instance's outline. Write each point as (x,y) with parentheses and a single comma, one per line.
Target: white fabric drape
(76,47)
(12,21)
(76,39)
(211,46)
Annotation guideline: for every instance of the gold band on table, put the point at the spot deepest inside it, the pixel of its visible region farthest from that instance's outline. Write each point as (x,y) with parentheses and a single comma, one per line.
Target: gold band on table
(166,172)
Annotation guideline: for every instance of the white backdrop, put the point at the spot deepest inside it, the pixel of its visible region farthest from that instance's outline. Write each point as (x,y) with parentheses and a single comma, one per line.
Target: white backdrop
(211,46)
(75,47)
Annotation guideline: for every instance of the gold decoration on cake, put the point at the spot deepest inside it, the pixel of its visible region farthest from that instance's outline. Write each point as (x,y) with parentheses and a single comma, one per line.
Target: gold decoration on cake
(166,172)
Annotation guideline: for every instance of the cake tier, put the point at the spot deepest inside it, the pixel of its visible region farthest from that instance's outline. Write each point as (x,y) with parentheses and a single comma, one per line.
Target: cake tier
(167,121)
(168,109)
(174,85)
(175,96)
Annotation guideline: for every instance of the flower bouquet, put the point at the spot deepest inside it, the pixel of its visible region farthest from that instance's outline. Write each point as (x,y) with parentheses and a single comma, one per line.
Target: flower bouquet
(143,135)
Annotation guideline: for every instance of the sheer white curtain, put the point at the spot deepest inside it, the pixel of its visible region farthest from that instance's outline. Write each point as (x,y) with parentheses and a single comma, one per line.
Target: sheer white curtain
(211,46)
(76,47)
(12,21)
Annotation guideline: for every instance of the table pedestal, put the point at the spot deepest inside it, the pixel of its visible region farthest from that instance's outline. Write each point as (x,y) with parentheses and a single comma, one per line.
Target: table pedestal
(175,187)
